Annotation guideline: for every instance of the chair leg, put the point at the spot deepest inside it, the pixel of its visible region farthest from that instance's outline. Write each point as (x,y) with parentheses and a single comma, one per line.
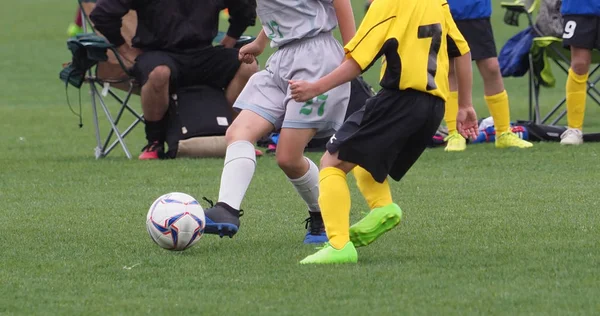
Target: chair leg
(589,92)
(556,108)
(119,115)
(531,115)
(99,150)
(113,126)
(560,116)
(591,87)
(592,84)
(125,103)
(564,100)
(534,93)
(537,102)
(125,133)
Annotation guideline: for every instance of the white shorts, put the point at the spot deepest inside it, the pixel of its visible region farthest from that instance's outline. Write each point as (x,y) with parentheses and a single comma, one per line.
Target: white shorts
(267,92)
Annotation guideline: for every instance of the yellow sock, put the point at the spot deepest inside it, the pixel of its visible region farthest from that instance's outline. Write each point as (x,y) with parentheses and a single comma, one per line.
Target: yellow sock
(334,200)
(451,111)
(576,95)
(498,106)
(377,194)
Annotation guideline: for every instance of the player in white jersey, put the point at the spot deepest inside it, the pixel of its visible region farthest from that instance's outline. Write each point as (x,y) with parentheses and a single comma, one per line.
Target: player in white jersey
(301,30)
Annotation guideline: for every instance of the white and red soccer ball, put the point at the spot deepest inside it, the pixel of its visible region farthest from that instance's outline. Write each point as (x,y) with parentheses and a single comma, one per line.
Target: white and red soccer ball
(175,221)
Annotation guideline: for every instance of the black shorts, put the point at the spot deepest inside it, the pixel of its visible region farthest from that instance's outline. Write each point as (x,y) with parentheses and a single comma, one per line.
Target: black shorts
(479,36)
(581,31)
(212,66)
(389,133)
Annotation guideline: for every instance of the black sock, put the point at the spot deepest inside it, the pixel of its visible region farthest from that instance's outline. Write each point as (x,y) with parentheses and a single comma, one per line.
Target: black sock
(156,131)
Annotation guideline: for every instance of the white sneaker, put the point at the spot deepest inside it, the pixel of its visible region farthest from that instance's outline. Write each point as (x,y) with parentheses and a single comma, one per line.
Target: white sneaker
(571,136)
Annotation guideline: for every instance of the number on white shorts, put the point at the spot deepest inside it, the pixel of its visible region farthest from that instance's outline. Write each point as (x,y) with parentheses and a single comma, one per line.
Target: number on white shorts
(569,29)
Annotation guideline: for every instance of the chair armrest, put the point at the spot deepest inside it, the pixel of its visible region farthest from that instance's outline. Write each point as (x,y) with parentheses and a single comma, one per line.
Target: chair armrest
(243,40)
(513,12)
(121,61)
(514,6)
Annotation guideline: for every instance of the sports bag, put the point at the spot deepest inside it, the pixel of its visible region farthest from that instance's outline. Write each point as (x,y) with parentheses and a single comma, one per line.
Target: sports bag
(197,111)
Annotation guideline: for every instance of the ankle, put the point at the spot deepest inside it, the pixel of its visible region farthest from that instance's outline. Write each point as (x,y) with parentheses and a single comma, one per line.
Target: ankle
(339,242)
(227,207)
(156,131)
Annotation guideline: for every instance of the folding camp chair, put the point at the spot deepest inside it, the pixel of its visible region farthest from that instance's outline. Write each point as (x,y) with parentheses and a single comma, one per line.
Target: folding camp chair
(104,79)
(547,48)
(111,75)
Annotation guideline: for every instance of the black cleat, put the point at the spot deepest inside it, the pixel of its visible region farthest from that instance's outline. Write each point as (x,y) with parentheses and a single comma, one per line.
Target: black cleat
(222,220)
(315,229)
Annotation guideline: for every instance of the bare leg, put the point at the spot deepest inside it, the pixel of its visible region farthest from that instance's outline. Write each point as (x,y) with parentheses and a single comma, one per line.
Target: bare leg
(155,94)
(301,171)
(238,82)
(452,76)
(491,75)
(155,102)
(581,58)
(452,111)
(290,151)
(332,160)
(495,96)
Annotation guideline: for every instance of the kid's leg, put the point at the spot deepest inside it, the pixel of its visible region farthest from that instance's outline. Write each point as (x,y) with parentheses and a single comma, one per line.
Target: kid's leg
(334,201)
(261,105)
(455,141)
(576,95)
(304,176)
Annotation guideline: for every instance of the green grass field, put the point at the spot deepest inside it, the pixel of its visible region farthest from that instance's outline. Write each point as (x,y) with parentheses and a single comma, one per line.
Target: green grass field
(485,231)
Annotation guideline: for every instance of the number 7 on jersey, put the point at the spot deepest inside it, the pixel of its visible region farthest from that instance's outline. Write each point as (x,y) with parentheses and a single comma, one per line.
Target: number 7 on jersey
(433,31)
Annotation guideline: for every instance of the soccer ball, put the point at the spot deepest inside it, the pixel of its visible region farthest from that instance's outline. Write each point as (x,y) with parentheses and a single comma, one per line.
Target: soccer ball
(175,221)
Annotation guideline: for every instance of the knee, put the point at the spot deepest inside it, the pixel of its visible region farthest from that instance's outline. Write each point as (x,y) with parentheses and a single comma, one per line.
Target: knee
(328,160)
(239,130)
(247,70)
(490,69)
(231,135)
(580,66)
(332,161)
(159,77)
(290,163)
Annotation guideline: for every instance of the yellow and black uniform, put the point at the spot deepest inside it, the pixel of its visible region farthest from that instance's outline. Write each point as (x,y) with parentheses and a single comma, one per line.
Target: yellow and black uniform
(393,128)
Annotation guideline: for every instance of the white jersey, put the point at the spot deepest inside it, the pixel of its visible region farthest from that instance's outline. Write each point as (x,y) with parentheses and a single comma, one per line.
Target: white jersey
(287,20)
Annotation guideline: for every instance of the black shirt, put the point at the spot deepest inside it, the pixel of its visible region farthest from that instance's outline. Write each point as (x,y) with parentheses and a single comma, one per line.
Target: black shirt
(172,25)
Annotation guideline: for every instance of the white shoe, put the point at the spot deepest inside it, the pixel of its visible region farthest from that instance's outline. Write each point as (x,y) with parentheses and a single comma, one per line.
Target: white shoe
(571,136)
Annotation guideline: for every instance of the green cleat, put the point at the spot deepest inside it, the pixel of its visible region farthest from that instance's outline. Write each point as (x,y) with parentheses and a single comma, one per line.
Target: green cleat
(329,255)
(375,224)
(455,142)
(511,140)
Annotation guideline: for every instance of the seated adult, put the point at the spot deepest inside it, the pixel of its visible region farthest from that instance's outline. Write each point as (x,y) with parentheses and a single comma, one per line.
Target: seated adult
(173,47)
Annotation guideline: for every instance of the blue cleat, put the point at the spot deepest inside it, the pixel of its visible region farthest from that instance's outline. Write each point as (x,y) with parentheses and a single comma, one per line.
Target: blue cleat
(315,229)
(222,220)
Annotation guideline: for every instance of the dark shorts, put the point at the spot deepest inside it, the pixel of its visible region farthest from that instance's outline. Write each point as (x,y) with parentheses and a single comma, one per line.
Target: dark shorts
(581,31)
(479,36)
(212,66)
(389,133)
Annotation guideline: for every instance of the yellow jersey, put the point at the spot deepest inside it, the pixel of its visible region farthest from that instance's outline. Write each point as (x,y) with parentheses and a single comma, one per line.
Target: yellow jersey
(412,35)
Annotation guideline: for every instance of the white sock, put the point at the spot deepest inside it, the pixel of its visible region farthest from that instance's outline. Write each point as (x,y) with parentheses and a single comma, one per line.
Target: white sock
(240,162)
(308,186)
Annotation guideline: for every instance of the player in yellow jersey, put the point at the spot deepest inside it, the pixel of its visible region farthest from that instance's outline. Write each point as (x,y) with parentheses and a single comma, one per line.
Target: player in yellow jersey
(472,18)
(391,131)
